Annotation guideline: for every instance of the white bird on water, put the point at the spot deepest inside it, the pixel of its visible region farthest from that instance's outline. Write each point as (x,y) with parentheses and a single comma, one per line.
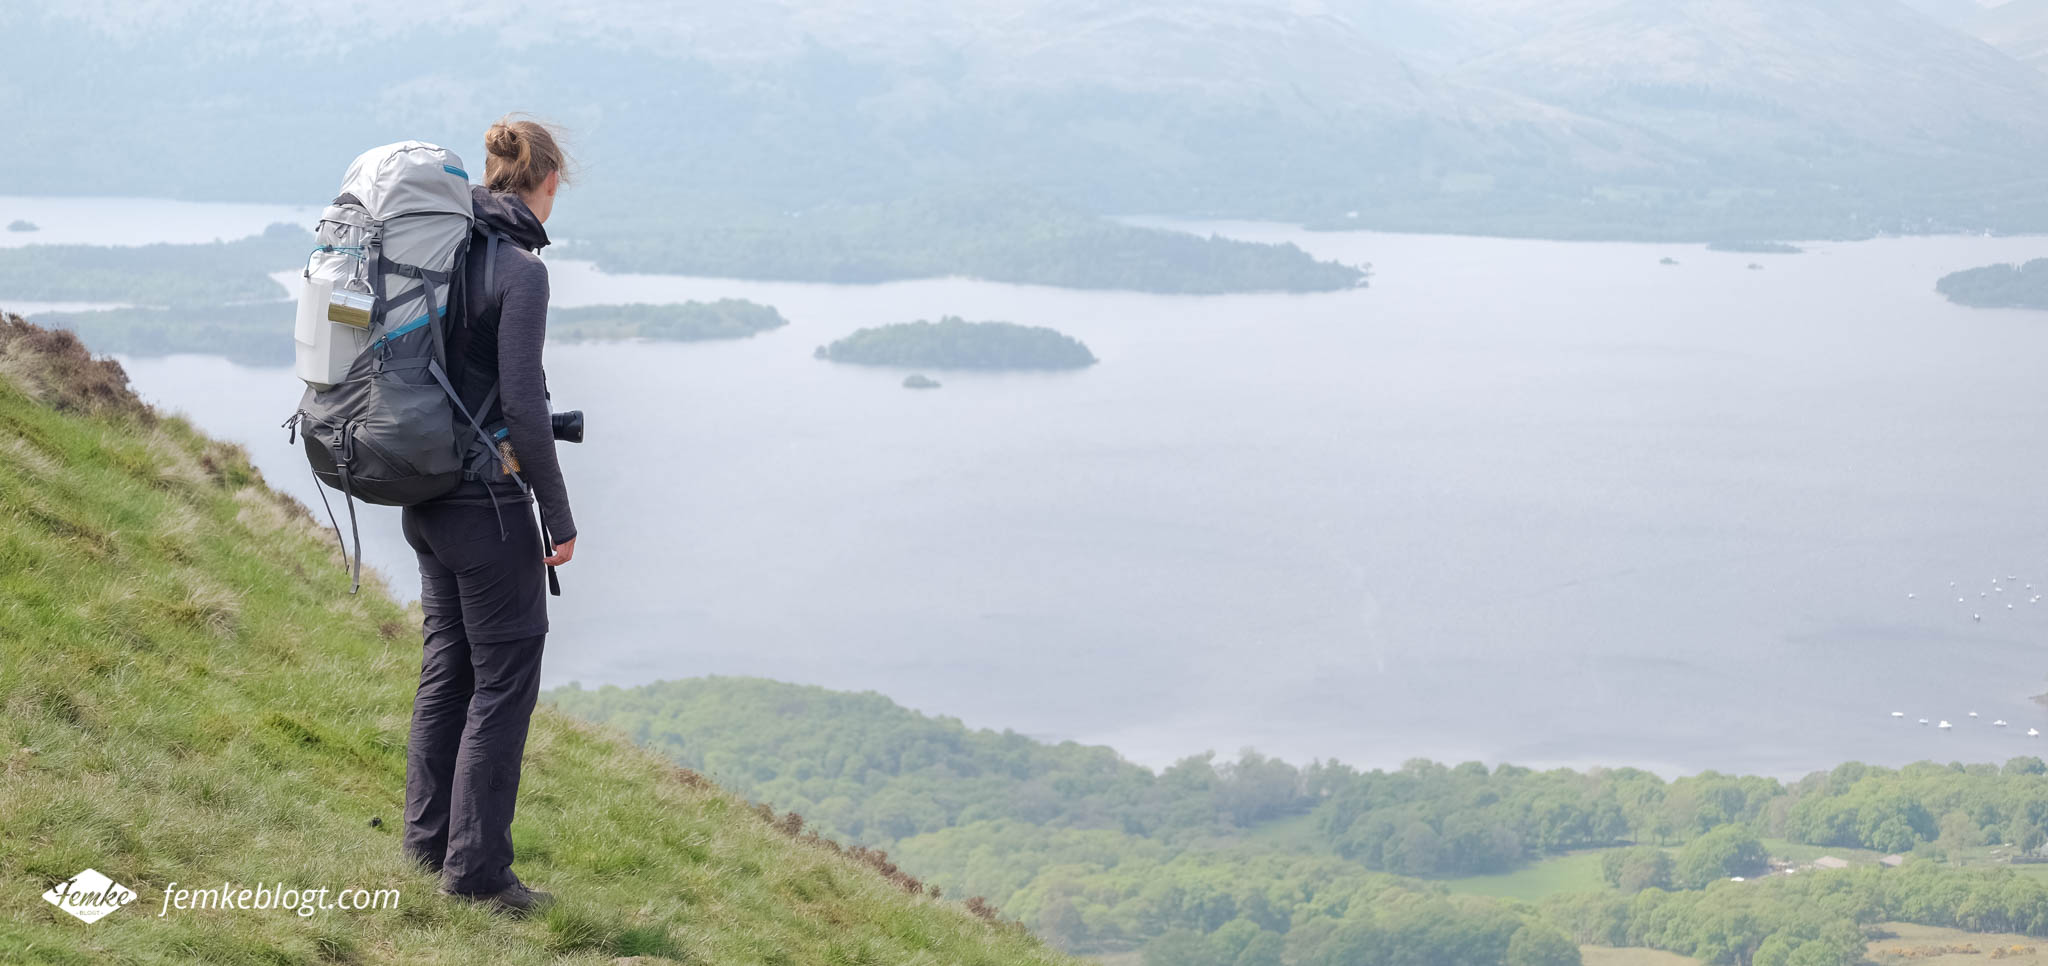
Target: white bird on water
(1898,714)
(1944,725)
(1979,618)
(1973,714)
(2033,732)
(1923,720)
(2000,723)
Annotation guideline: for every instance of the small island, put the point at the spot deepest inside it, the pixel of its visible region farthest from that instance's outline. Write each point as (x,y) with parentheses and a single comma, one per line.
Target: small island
(1756,248)
(1668,260)
(918,380)
(954,343)
(1999,286)
(21,224)
(675,322)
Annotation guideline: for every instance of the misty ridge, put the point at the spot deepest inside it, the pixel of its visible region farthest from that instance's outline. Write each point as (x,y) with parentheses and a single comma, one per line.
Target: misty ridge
(912,138)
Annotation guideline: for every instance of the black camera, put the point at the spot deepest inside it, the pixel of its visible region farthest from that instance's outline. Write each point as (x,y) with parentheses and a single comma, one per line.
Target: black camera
(569,426)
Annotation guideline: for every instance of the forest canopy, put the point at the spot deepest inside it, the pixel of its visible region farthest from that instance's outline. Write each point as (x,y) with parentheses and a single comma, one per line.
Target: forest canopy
(1238,860)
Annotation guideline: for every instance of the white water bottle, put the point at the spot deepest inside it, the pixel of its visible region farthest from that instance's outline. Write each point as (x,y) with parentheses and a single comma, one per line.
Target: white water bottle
(327,335)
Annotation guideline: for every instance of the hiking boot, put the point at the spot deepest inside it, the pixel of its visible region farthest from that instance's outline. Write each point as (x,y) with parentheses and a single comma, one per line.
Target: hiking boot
(515,900)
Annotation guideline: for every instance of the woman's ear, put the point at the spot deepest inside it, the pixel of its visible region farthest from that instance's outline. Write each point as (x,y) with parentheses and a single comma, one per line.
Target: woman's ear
(554,182)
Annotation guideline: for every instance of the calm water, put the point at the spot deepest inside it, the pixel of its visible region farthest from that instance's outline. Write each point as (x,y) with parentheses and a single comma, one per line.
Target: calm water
(1544,502)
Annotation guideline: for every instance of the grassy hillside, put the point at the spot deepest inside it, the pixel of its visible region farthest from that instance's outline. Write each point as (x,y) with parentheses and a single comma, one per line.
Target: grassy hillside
(190,695)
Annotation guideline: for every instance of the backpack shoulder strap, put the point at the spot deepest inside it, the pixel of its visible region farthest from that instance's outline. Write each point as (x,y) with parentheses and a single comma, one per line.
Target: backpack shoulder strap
(490,260)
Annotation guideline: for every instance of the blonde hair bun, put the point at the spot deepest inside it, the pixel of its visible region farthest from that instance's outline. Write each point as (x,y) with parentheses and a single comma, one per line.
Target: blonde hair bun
(522,153)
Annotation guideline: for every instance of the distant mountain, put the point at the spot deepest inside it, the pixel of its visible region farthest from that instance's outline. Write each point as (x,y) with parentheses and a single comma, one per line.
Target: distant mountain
(1866,69)
(1627,118)
(2019,27)
(1828,98)
(1953,13)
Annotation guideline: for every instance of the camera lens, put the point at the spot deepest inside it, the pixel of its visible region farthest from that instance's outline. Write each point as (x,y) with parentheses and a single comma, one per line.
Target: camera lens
(569,426)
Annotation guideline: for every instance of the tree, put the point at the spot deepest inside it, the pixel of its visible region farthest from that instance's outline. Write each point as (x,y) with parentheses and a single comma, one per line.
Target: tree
(1958,834)
(1414,850)
(1265,949)
(1256,789)
(1536,944)
(1775,950)
(1061,925)
(1636,869)
(1180,947)
(1731,850)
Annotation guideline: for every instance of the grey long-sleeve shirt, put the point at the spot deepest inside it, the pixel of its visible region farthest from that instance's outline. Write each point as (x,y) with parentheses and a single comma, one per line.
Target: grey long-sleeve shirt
(501,341)
(522,392)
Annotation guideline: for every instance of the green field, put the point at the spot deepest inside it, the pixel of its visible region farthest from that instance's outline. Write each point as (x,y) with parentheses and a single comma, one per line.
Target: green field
(1571,872)
(1631,956)
(1934,946)
(1899,944)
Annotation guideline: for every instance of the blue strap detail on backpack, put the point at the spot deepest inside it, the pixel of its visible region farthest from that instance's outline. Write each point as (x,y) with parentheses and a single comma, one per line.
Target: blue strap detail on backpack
(403,329)
(458,172)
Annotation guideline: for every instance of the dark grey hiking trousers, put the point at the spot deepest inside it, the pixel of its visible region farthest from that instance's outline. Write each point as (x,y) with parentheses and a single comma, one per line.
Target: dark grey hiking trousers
(477,689)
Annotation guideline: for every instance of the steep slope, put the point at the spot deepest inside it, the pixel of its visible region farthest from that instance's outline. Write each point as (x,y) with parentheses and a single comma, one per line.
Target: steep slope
(1207,97)
(1953,13)
(1446,33)
(863,766)
(2019,28)
(191,697)
(1699,71)
(1864,113)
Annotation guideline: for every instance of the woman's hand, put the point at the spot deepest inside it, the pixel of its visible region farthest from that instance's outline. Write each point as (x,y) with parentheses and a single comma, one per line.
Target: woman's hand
(562,554)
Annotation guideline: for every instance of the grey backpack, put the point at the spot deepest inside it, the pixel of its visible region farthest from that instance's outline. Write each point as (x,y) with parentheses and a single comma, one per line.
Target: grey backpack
(379,419)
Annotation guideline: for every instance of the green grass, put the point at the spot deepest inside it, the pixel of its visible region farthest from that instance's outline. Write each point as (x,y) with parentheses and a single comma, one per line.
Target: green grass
(1556,875)
(1632,956)
(189,694)
(1935,946)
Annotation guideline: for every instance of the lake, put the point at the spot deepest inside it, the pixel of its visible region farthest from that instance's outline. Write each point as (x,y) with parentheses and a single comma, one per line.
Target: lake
(1551,503)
